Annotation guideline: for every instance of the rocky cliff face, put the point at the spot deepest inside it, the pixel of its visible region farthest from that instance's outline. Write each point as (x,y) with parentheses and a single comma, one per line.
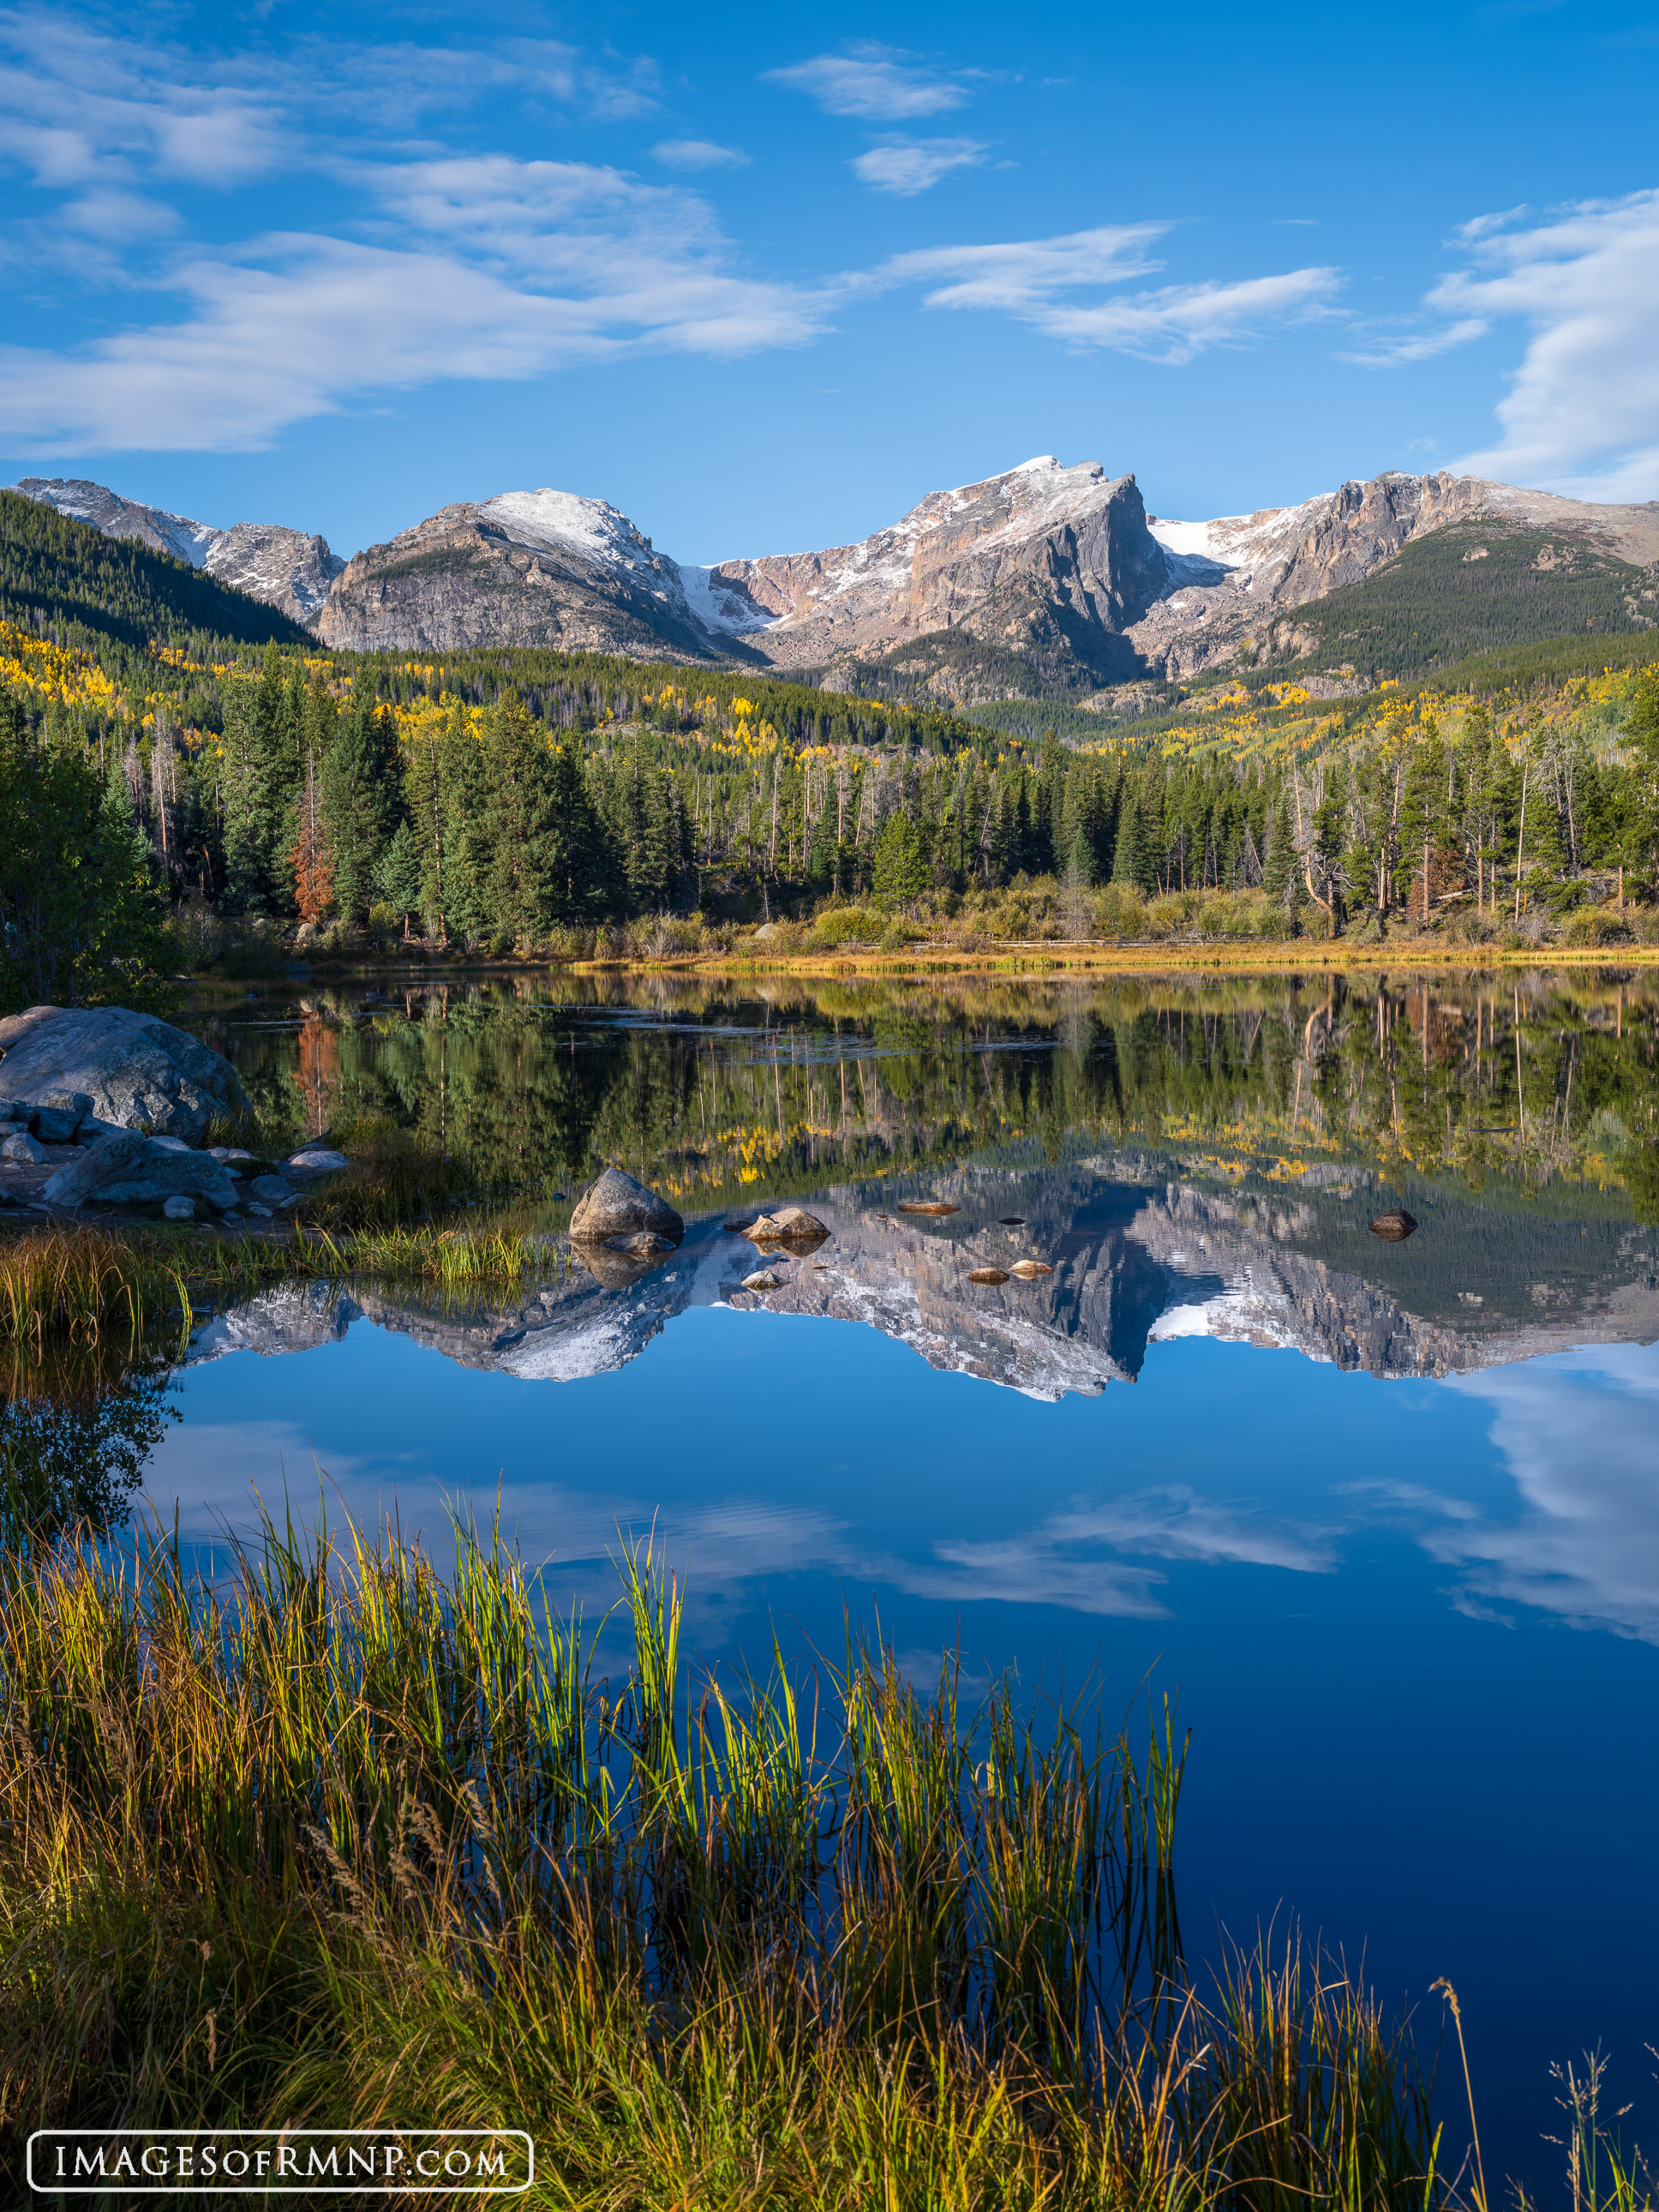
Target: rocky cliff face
(1059,556)
(285,568)
(543,569)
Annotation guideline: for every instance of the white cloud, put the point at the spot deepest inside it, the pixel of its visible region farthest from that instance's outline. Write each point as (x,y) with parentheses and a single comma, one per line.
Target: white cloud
(879,83)
(699,154)
(1422,345)
(1578,1433)
(307,323)
(1033,280)
(1582,413)
(907,165)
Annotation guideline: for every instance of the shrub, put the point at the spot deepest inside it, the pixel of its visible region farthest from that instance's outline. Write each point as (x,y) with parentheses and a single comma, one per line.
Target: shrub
(1597,924)
(846,925)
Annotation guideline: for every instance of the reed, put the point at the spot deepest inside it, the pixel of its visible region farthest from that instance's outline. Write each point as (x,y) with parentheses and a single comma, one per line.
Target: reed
(76,1282)
(85,1285)
(341,1840)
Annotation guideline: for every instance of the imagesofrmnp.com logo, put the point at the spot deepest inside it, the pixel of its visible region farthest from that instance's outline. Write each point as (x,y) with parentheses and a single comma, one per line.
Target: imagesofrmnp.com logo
(280,2161)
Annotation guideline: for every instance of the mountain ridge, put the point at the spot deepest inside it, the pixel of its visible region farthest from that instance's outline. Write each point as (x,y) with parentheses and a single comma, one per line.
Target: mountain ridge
(1049,578)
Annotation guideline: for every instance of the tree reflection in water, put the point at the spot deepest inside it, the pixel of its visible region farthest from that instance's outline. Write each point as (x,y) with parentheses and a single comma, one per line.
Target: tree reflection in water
(77,1426)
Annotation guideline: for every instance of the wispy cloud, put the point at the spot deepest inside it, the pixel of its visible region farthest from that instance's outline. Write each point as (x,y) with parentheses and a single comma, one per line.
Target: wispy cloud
(1037,281)
(883,84)
(1393,352)
(512,269)
(908,166)
(699,154)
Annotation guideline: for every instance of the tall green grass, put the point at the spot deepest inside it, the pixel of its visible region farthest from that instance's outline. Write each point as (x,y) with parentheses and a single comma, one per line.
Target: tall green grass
(342,1840)
(87,1285)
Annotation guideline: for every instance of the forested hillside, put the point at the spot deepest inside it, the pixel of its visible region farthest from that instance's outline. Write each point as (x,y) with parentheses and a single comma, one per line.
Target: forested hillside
(111,596)
(1472,588)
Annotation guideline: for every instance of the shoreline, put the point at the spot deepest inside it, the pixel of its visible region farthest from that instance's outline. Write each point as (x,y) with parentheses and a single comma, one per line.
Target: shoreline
(1033,958)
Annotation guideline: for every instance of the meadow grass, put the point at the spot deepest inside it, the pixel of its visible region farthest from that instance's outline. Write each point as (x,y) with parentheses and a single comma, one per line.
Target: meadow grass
(344,1841)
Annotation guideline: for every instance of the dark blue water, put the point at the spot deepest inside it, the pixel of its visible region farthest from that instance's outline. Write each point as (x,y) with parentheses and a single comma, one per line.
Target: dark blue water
(1384,1518)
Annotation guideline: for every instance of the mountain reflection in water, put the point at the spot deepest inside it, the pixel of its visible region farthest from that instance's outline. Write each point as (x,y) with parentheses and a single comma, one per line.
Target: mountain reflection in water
(1357,1567)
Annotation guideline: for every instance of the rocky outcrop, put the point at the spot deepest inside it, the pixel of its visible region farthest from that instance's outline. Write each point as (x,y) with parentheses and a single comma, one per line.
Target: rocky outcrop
(135,1070)
(125,1169)
(541,568)
(285,568)
(616,1207)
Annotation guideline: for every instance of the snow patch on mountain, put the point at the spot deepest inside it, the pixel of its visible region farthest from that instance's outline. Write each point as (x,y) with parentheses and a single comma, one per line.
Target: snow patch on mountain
(723,608)
(591,527)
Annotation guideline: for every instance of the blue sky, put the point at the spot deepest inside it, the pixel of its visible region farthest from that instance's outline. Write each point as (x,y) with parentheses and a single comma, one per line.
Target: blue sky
(763,278)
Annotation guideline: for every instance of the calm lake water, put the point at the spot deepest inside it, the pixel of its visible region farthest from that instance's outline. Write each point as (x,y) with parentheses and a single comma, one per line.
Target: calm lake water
(1384,1514)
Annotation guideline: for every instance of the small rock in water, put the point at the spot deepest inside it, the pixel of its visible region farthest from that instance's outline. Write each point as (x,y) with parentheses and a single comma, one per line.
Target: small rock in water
(1011,1220)
(616,1205)
(179,1207)
(930,1205)
(644,1244)
(1394,1227)
(991,1275)
(24,1151)
(764,1279)
(791,1224)
(1029,1270)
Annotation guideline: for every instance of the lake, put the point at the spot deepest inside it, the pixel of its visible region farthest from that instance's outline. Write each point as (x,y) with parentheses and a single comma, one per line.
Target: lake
(1383,1515)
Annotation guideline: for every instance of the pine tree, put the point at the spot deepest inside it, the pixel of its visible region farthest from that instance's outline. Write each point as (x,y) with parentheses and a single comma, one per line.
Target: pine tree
(361,801)
(1279,872)
(901,873)
(1132,862)
(398,874)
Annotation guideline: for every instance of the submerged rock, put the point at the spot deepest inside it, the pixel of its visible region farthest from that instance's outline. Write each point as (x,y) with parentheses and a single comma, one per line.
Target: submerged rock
(133,1070)
(616,1205)
(1394,1227)
(762,1280)
(929,1206)
(643,1244)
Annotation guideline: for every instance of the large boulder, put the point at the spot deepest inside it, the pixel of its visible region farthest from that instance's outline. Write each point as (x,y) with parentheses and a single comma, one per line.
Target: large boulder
(138,1072)
(616,1205)
(127,1170)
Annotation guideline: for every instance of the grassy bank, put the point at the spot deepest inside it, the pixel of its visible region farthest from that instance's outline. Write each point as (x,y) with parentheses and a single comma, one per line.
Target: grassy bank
(345,1841)
(87,1284)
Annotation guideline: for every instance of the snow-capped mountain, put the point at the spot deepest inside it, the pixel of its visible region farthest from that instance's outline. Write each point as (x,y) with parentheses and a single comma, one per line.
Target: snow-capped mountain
(1049,578)
(286,569)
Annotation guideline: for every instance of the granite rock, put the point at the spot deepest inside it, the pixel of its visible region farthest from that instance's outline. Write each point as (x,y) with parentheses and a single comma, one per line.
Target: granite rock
(133,1069)
(616,1205)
